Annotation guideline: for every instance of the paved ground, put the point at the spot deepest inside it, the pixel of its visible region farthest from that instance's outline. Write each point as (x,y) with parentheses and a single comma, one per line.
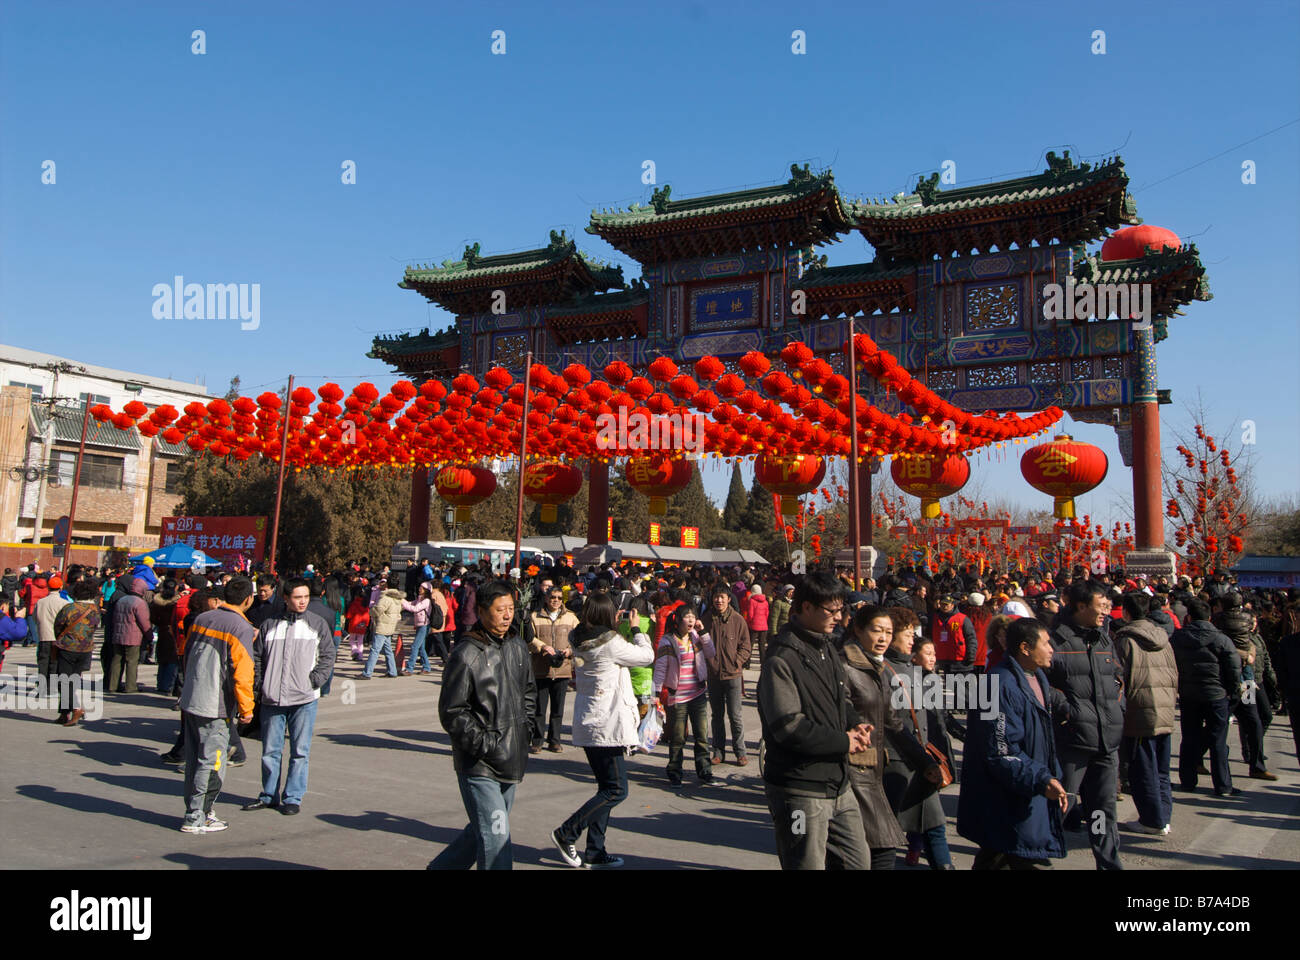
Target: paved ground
(383,794)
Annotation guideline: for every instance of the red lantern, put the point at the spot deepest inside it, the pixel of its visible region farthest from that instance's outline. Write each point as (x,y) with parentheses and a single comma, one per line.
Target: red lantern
(658,477)
(463,487)
(790,477)
(1130,243)
(930,477)
(550,484)
(1064,469)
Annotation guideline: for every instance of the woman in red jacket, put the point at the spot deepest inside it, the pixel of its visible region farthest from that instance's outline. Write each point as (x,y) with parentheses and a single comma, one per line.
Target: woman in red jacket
(356,618)
(755,611)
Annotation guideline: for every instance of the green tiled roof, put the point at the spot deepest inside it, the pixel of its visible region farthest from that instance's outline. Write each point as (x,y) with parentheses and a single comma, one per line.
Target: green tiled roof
(662,209)
(1062,176)
(473,266)
(67,428)
(635,296)
(407,344)
(171,449)
(853,273)
(1150,268)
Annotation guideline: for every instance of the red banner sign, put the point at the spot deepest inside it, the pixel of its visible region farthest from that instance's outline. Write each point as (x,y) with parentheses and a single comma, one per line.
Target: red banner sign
(225,538)
(690,537)
(654,534)
(609,529)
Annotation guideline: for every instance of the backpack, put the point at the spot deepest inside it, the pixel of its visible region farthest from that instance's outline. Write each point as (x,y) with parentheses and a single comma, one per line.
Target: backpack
(435,616)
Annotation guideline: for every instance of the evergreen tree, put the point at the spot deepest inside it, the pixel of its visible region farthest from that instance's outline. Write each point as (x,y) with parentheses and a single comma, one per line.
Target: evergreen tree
(733,514)
(690,508)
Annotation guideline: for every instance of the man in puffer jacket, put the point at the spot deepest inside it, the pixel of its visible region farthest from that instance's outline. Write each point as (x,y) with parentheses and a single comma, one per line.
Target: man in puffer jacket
(1209,682)
(385,616)
(1087,670)
(293,656)
(1150,688)
(1253,711)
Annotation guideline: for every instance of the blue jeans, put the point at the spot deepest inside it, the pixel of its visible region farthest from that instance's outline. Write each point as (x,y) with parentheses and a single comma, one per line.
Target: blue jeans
(609,764)
(934,842)
(486,839)
(33,631)
(167,674)
(418,652)
(385,644)
(300,720)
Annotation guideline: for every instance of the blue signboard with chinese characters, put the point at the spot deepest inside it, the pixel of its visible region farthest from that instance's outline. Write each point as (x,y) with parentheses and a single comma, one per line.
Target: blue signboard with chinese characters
(733,306)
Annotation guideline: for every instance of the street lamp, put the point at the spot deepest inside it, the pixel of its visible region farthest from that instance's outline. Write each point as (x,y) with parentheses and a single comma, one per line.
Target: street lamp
(449,521)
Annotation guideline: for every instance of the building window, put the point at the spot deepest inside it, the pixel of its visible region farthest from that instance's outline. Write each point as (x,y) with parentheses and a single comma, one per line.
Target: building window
(36,389)
(942,379)
(93,398)
(175,471)
(1081,369)
(1113,368)
(97,470)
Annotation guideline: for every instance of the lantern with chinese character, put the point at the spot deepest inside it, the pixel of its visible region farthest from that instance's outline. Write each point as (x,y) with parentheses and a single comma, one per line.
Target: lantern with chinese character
(658,477)
(463,487)
(1064,468)
(550,484)
(930,477)
(791,477)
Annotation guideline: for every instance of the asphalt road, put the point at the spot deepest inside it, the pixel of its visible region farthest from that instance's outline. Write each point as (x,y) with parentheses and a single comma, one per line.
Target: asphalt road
(383,794)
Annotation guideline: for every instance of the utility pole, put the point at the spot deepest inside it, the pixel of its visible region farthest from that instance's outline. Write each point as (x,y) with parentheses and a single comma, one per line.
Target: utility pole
(47,442)
(523,456)
(279,483)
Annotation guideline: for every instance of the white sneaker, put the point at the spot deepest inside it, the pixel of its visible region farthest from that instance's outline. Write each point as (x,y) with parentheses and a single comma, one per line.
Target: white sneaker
(1164,831)
(214,825)
(568,852)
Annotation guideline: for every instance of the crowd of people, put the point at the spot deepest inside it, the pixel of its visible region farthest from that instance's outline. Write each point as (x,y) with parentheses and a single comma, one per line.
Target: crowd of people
(1085,673)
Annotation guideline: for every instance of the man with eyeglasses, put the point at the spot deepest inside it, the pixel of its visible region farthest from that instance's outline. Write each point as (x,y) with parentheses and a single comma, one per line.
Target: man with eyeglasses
(1087,668)
(809,729)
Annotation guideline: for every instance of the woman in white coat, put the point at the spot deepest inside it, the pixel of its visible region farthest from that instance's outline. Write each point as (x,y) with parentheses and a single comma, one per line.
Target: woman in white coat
(605,720)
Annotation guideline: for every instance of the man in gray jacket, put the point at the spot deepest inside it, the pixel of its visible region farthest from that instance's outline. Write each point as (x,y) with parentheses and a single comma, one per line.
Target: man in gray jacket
(292,657)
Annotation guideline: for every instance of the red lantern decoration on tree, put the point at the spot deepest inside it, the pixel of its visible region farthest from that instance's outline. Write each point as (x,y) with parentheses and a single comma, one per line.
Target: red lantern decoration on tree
(658,477)
(930,477)
(463,487)
(550,484)
(790,477)
(1064,469)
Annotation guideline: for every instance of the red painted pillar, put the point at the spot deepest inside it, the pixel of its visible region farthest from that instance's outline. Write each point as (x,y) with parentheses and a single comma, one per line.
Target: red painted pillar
(1148,518)
(1149,524)
(420,492)
(597,502)
(864,505)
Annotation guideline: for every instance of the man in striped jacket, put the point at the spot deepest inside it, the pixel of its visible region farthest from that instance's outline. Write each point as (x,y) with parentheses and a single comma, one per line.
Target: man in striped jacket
(218,689)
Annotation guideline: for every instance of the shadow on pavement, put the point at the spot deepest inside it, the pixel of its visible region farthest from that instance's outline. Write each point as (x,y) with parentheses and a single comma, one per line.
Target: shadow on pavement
(115,753)
(196,862)
(750,836)
(382,743)
(168,787)
(85,803)
(387,822)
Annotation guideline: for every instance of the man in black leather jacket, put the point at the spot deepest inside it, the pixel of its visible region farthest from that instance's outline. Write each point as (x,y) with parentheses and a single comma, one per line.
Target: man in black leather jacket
(486,706)
(1087,669)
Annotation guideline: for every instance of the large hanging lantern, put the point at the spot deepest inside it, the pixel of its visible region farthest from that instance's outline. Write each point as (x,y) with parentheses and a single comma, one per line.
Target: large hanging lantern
(1064,469)
(550,484)
(464,487)
(658,477)
(930,477)
(791,477)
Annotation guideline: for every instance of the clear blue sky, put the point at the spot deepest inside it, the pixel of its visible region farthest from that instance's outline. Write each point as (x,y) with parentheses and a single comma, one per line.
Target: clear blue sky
(225,167)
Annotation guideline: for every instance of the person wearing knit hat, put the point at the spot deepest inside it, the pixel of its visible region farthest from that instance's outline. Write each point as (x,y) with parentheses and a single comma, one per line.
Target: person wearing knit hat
(976,599)
(47,608)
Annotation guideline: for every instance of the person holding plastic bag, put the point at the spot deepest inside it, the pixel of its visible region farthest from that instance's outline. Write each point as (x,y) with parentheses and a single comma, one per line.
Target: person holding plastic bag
(604,724)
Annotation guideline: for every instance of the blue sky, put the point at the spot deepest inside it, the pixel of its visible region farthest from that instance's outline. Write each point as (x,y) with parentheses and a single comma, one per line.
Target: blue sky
(225,167)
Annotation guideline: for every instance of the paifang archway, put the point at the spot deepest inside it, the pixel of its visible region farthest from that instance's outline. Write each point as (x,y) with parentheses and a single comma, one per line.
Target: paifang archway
(956,291)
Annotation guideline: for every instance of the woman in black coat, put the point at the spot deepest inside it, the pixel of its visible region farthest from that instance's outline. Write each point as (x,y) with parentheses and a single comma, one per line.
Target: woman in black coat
(863,652)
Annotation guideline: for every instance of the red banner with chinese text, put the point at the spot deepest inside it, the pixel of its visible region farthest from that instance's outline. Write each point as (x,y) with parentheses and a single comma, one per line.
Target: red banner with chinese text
(690,537)
(225,538)
(654,534)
